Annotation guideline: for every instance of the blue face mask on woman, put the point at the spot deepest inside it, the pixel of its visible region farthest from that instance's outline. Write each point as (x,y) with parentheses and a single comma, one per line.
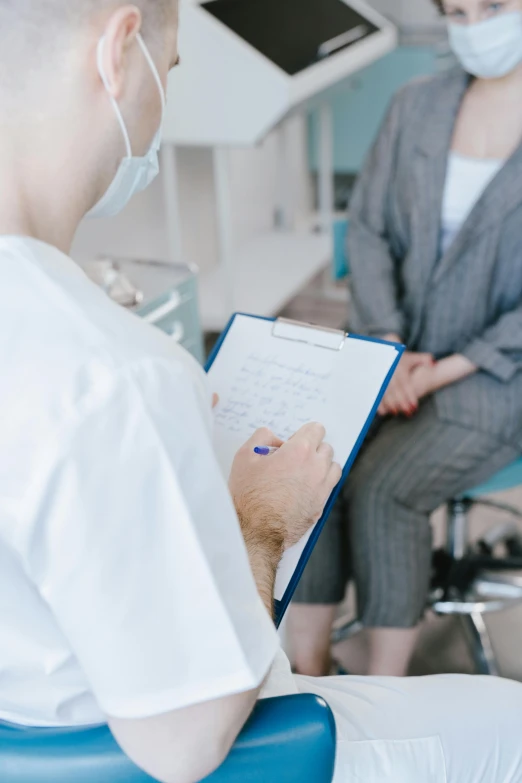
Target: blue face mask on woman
(489,49)
(134,173)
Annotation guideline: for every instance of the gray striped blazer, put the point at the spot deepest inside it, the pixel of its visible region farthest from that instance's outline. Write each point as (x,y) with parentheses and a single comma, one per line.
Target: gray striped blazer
(468,300)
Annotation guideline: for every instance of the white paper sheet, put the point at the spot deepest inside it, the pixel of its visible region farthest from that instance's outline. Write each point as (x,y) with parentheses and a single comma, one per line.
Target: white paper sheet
(267,381)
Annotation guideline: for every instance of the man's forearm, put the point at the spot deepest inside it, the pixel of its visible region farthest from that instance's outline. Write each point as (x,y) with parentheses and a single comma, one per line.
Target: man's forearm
(190,743)
(265,554)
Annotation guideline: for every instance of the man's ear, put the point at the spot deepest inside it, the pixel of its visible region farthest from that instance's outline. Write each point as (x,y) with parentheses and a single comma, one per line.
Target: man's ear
(120,33)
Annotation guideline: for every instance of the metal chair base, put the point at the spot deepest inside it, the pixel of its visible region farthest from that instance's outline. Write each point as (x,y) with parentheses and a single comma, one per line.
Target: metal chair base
(344,628)
(470,583)
(476,581)
(480,645)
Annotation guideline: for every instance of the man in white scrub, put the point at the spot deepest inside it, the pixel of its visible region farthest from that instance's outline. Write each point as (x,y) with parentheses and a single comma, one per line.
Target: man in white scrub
(135,586)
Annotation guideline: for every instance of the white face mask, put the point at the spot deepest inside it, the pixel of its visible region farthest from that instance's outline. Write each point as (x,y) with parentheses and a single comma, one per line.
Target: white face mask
(134,174)
(489,49)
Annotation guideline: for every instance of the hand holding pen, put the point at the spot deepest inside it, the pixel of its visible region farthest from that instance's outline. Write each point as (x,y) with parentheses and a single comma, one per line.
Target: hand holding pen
(287,491)
(265,451)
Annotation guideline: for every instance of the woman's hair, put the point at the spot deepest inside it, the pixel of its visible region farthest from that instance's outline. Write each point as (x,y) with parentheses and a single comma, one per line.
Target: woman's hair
(439,5)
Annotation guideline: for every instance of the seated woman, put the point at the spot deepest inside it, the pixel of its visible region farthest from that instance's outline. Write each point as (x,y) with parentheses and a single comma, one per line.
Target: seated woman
(435,246)
(136,588)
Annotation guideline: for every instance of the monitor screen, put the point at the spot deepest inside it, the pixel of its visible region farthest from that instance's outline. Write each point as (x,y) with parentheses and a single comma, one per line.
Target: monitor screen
(294,34)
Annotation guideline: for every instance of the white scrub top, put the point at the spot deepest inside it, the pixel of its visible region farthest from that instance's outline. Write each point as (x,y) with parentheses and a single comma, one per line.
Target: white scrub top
(125,587)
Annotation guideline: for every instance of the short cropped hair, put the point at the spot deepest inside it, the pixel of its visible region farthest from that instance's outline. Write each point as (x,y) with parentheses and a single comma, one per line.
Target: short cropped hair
(35,34)
(46,17)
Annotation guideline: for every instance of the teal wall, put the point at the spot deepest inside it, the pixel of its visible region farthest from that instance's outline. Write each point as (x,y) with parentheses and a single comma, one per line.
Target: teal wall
(359,110)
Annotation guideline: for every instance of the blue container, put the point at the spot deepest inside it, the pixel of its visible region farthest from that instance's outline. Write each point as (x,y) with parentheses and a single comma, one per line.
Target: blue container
(340,265)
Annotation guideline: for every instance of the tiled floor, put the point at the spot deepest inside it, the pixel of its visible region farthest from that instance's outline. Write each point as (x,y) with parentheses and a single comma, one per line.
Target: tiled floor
(323,303)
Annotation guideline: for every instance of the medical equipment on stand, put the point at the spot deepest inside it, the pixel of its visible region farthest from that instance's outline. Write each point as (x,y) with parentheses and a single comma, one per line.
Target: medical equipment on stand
(163,294)
(249,66)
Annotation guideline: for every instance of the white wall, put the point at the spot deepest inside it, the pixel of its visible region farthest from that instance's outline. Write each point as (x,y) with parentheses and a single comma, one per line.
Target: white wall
(140,232)
(408,12)
(136,233)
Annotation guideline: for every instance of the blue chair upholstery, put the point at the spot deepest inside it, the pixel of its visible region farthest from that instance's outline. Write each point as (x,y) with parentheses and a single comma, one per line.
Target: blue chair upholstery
(508,478)
(286,740)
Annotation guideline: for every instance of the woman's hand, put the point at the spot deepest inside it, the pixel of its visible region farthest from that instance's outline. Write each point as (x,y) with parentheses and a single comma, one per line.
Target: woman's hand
(452,369)
(402,395)
(424,379)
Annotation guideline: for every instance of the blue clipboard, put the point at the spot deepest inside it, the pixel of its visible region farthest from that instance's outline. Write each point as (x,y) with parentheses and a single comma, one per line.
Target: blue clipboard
(281,606)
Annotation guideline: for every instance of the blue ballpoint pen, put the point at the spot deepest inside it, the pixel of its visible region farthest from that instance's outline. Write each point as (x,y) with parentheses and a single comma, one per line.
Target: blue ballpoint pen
(265,451)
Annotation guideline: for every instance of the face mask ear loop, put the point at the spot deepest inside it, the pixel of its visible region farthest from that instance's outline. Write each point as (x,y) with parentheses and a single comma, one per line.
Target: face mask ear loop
(103,77)
(155,73)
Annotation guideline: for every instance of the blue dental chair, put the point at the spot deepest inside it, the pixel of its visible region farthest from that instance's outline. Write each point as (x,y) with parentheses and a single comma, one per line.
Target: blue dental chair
(286,740)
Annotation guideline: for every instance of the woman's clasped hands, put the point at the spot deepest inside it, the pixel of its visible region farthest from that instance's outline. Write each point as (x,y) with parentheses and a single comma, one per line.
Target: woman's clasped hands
(413,379)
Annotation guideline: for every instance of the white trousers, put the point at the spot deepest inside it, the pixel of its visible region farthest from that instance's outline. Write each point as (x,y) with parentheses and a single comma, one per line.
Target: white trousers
(442,729)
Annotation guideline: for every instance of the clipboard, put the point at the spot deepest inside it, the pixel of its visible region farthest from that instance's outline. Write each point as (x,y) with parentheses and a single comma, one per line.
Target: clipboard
(319,339)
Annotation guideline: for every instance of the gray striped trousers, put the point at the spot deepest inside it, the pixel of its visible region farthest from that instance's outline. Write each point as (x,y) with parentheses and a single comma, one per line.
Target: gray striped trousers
(407,469)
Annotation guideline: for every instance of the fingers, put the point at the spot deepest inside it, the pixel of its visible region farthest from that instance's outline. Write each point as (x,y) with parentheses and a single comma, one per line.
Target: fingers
(405,406)
(264,437)
(326,451)
(408,399)
(400,398)
(383,409)
(391,401)
(314,433)
(422,359)
(334,476)
(215,400)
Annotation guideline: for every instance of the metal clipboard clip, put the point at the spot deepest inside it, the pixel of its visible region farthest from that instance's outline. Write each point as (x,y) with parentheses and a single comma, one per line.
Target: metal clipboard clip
(316,336)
